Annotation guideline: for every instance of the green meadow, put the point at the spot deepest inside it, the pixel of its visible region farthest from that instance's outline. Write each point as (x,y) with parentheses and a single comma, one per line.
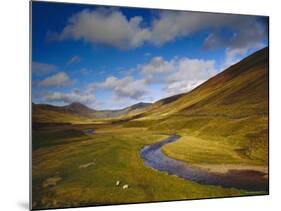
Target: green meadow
(114,153)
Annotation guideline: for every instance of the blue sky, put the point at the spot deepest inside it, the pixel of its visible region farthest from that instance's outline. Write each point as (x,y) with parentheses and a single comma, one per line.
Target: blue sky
(113,57)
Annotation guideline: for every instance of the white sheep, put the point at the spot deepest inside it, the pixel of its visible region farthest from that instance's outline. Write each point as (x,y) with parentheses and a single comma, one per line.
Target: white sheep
(125,186)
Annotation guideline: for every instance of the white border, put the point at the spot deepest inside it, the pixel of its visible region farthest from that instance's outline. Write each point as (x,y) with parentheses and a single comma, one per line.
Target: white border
(14,150)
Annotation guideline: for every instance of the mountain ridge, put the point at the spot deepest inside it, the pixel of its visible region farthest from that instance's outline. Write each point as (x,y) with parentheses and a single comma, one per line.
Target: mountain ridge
(81,111)
(233,85)
(238,87)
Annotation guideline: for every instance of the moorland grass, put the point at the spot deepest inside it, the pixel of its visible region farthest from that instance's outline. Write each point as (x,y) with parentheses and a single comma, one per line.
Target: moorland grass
(116,156)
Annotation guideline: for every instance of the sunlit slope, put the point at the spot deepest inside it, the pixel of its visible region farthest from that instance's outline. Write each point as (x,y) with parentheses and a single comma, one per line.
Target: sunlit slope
(238,91)
(229,111)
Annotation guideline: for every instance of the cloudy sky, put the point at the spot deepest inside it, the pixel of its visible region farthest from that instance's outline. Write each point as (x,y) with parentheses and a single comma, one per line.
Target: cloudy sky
(112,57)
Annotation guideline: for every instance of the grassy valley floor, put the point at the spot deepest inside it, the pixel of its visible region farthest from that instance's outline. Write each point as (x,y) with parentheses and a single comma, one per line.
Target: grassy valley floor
(83,169)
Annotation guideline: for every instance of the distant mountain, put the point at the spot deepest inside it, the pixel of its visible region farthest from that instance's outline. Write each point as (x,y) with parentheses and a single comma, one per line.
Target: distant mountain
(76,112)
(136,108)
(50,113)
(140,105)
(79,109)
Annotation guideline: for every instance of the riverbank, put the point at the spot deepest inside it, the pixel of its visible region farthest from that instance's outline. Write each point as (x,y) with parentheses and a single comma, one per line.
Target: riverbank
(247,179)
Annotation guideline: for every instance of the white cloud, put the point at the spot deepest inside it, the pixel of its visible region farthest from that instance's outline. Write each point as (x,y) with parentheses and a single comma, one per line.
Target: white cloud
(179,75)
(105,26)
(40,68)
(196,69)
(172,24)
(189,74)
(234,55)
(249,34)
(60,79)
(157,65)
(126,87)
(111,27)
(181,86)
(74,96)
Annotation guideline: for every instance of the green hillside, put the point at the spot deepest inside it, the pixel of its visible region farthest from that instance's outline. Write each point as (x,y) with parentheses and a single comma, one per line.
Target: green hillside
(229,110)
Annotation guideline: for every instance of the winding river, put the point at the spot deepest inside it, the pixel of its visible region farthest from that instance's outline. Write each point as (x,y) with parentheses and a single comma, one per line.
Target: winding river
(242,179)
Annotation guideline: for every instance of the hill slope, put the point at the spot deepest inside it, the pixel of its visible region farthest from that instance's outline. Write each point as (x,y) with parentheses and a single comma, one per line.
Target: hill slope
(243,86)
(55,114)
(231,108)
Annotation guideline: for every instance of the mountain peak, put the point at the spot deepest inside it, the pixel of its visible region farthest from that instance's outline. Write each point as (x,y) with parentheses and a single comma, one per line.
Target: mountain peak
(139,105)
(76,104)
(78,107)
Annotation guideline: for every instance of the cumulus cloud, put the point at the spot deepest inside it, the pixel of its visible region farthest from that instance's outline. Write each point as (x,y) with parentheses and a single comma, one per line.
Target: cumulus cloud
(179,75)
(126,87)
(59,79)
(189,74)
(40,68)
(74,59)
(181,86)
(74,96)
(111,27)
(105,26)
(248,33)
(233,55)
(157,65)
(172,24)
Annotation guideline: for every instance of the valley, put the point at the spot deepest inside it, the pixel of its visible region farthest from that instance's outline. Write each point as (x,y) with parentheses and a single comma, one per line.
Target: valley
(82,156)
